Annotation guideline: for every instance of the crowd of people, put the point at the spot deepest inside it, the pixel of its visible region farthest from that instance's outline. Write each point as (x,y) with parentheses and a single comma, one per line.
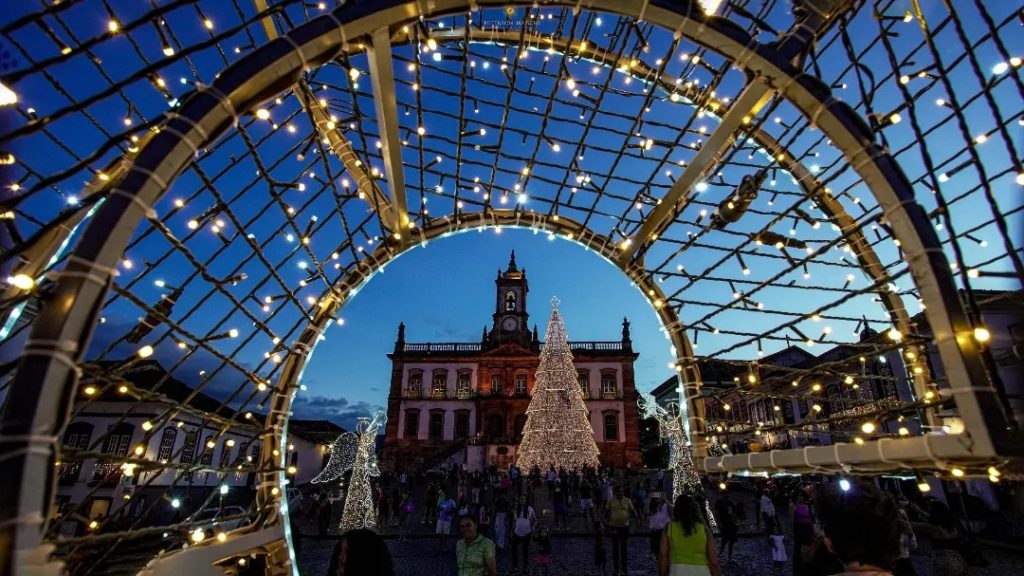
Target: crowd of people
(818,529)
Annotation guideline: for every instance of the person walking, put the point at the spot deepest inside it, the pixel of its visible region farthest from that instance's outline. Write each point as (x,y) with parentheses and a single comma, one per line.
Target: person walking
(474,553)
(445,511)
(600,553)
(522,529)
(619,511)
(768,513)
(501,522)
(543,557)
(659,519)
(728,524)
(686,549)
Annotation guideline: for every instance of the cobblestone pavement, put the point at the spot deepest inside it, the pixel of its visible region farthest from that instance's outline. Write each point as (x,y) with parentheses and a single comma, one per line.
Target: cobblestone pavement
(573,556)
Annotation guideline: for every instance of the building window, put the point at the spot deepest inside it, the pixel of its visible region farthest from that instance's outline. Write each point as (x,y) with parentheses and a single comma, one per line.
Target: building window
(611,428)
(520,384)
(608,388)
(462,389)
(440,385)
(76,437)
(225,455)
(118,440)
(497,385)
(584,378)
(188,451)
(108,472)
(415,388)
(167,440)
(462,424)
(207,456)
(435,430)
(412,424)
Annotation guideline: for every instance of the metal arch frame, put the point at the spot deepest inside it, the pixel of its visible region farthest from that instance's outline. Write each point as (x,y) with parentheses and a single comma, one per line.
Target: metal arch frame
(41,394)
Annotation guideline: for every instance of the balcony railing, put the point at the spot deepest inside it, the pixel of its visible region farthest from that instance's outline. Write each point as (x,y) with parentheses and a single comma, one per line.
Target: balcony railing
(606,346)
(105,474)
(438,394)
(442,347)
(610,395)
(465,394)
(69,472)
(412,393)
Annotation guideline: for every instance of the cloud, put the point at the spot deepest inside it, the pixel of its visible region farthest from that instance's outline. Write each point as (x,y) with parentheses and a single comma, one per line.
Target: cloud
(337,410)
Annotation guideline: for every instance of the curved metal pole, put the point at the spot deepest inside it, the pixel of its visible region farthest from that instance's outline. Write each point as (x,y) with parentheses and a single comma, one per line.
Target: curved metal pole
(42,392)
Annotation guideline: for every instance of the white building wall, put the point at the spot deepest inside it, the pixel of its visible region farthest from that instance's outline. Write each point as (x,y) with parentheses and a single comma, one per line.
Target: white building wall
(102,415)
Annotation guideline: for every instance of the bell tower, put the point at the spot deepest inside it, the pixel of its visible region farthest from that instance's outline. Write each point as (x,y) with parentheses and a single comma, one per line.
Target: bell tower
(511,321)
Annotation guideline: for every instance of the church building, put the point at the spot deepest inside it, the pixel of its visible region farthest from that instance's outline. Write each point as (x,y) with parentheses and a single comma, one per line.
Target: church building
(465,402)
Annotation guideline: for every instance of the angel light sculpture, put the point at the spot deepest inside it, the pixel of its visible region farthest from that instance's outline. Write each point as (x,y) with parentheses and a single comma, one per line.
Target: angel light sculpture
(355,451)
(680,459)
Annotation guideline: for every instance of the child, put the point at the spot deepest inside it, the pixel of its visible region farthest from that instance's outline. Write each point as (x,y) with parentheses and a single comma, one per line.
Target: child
(600,556)
(778,550)
(543,557)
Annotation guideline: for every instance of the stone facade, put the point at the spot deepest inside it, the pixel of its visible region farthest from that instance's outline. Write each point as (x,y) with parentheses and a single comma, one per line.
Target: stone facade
(465,402)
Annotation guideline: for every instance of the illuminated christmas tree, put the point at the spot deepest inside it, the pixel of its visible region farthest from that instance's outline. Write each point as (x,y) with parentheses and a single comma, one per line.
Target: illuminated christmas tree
(355,451)
(557,430)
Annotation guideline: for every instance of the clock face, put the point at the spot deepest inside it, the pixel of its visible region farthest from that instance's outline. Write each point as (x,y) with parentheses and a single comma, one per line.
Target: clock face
(510,324)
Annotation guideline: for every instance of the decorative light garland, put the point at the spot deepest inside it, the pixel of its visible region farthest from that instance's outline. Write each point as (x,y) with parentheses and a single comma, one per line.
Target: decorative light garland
(557,431)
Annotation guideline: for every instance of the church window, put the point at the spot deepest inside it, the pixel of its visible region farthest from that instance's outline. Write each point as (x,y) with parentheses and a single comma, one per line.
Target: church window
(510,301)
(497,385)
(520,384)
(611,427)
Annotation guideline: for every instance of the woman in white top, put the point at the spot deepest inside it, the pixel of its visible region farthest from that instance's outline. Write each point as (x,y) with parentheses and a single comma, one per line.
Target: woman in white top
(522,529)
(659,518)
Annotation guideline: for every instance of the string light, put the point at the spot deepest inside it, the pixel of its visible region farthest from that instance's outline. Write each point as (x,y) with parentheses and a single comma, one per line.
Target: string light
(557,430)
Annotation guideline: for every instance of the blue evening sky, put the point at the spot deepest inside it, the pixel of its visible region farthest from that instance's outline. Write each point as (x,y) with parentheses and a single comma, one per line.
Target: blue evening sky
(445,293)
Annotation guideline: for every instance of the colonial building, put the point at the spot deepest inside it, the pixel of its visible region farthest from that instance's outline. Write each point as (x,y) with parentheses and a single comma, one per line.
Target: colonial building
(113,423)
(465,402)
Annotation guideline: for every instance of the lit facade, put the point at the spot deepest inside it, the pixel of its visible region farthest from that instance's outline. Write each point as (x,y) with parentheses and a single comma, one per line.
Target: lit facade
(465,402)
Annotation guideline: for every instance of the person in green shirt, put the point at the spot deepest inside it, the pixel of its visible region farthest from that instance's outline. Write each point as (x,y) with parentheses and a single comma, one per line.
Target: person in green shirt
(474,553)
(686,548)
(618,512)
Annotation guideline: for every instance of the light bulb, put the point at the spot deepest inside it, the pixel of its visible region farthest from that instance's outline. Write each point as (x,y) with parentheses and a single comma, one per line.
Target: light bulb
(145,352)
(21,281)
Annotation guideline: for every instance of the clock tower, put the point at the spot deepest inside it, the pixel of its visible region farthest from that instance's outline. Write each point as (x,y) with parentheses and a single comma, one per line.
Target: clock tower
(511,321)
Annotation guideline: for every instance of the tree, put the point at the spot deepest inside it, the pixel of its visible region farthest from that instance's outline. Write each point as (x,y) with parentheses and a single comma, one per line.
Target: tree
(557,431)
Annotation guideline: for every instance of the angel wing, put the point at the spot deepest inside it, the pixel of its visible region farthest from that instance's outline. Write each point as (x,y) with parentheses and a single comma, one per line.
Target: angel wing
(343,456)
